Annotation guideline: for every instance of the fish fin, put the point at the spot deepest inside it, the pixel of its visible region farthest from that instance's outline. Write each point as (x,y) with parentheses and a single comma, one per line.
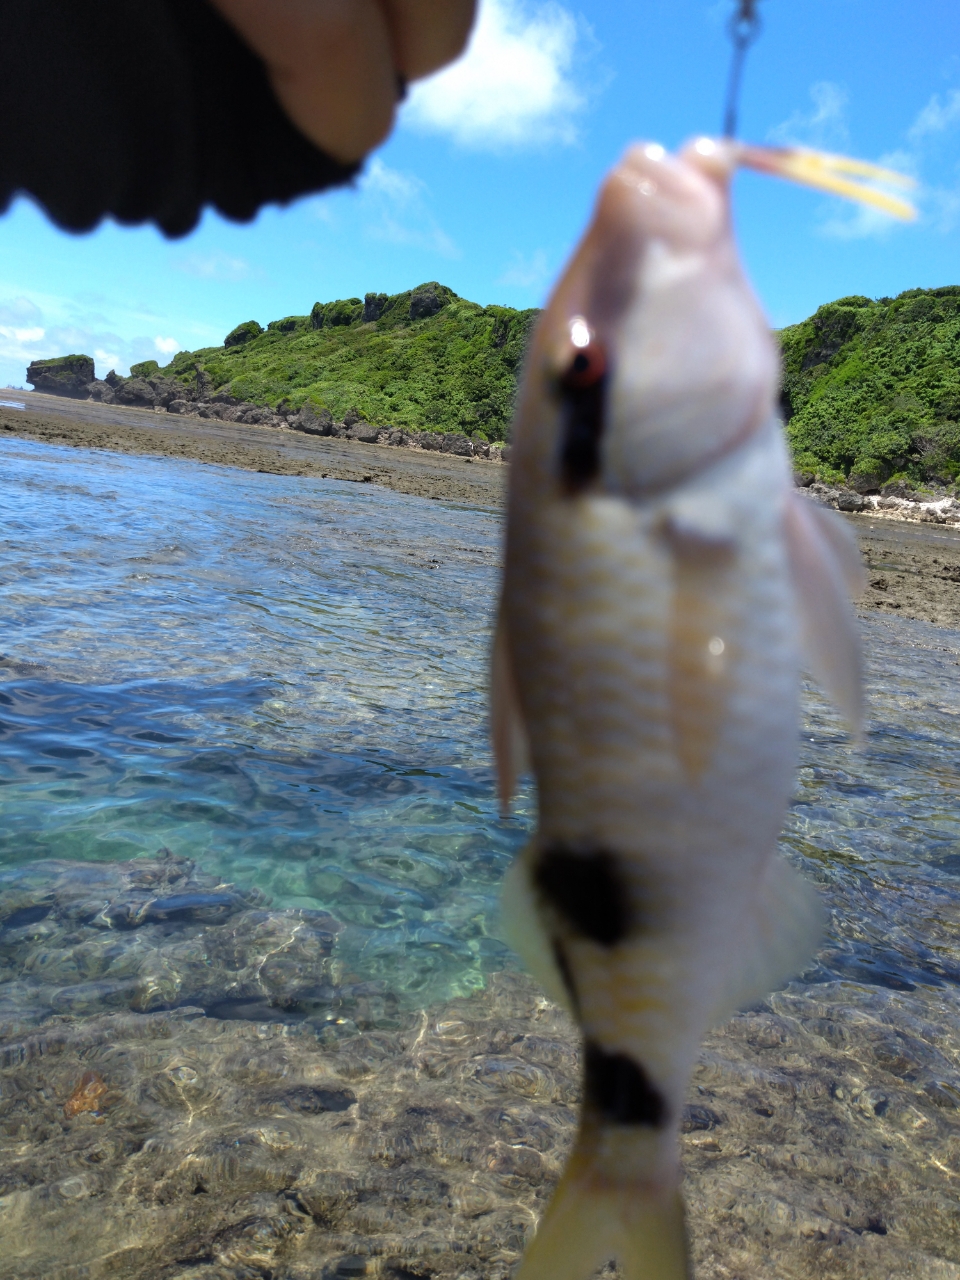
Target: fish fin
(843,544)
(524,931)
(589,1221)
(778,939)
(506,722)
(824,571)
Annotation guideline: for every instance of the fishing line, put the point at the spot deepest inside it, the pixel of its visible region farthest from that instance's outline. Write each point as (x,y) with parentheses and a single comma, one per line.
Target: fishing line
(743,29)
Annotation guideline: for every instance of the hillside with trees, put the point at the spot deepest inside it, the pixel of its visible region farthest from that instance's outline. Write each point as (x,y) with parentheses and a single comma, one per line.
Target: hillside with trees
(871,389)
(425,359)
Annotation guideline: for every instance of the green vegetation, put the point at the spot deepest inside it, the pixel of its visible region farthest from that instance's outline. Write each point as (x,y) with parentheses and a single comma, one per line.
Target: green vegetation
(872,389)
(423,359)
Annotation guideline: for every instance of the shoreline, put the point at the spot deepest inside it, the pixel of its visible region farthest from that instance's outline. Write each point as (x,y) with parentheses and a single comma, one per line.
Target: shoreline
(912,566)
(87,424)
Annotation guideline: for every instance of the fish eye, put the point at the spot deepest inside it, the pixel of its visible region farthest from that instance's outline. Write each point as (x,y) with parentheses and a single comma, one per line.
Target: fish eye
(585,368)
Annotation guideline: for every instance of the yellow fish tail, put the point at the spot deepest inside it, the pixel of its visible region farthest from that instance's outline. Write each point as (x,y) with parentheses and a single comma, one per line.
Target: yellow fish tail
(590,1220)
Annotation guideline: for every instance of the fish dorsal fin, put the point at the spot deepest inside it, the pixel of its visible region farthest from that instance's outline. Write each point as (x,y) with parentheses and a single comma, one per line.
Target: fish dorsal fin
(826,571)
(778,938)
(510,751)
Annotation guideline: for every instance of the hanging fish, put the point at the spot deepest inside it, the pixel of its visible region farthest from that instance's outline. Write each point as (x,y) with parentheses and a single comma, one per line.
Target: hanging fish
(662,580)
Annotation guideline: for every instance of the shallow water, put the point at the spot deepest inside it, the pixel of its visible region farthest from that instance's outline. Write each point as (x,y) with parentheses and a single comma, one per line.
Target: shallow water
(280,682)
(280,679)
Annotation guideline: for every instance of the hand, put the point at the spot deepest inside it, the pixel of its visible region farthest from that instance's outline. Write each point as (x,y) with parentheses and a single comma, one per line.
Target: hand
(336,65)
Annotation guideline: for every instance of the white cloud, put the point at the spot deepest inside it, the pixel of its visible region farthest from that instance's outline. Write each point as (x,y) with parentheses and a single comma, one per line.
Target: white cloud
(36,325)
(824,126)
(936,116)
(942,209)
(526,271)
(513,86)
(19,311)
(394,208)
(106,358)
(213,266)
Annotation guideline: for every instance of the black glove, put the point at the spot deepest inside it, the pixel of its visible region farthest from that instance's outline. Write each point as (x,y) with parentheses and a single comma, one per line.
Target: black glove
(146,110)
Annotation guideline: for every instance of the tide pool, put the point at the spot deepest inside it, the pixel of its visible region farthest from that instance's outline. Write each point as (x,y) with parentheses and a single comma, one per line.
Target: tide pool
(256,1014)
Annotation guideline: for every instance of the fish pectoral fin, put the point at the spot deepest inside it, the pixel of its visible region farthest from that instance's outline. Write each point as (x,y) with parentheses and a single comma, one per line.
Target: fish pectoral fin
(510,750)
(825,563)
(523,929)
(779,937)
(589,1221)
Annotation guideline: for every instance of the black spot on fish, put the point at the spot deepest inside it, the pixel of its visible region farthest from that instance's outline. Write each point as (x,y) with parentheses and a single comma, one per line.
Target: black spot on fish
(618,1088)
(587,890)
(583,393)
(566,973)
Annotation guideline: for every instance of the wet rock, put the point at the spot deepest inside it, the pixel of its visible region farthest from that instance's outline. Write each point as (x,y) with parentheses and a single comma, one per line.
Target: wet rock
(257,1147)
(182,406)
(151,934)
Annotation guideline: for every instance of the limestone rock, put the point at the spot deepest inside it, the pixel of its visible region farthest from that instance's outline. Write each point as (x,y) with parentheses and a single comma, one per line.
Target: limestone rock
(243,333)
(62,376)
(427,300)
(313,421)
(364,432)
(373,305)
(135,391)
(456,444)
(102,391)
(850,500)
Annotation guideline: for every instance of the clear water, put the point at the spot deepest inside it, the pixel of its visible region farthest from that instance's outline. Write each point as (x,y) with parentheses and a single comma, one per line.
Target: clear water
(283,679)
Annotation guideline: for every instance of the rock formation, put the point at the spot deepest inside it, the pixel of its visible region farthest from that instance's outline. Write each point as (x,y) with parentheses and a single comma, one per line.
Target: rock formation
(62,376)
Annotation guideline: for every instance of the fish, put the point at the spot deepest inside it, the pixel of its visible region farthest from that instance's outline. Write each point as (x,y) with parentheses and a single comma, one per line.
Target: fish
(664,584)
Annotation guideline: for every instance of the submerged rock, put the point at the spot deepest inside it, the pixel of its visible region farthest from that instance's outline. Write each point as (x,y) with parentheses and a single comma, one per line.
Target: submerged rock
(819,1140)
(153,934)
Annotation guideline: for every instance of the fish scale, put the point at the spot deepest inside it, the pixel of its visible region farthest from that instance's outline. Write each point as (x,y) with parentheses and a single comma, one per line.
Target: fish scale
(660,573)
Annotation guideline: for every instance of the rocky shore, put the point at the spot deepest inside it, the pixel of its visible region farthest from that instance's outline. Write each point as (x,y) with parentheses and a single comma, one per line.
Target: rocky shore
(893,502)
(72,377)
(910,541)
(191,1088)
(279,450)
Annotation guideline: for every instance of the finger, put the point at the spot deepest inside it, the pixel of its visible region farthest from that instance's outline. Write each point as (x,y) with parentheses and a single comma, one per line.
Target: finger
(427,34)
(331,64)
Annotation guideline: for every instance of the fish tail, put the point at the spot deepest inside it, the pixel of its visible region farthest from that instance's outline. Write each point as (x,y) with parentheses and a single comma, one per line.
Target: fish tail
(591,1220)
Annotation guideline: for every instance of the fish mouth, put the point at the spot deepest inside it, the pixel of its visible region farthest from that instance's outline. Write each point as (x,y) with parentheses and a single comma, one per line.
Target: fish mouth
(827,172)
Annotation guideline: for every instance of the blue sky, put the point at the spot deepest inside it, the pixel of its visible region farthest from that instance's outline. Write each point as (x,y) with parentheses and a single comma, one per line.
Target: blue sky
(489,177)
